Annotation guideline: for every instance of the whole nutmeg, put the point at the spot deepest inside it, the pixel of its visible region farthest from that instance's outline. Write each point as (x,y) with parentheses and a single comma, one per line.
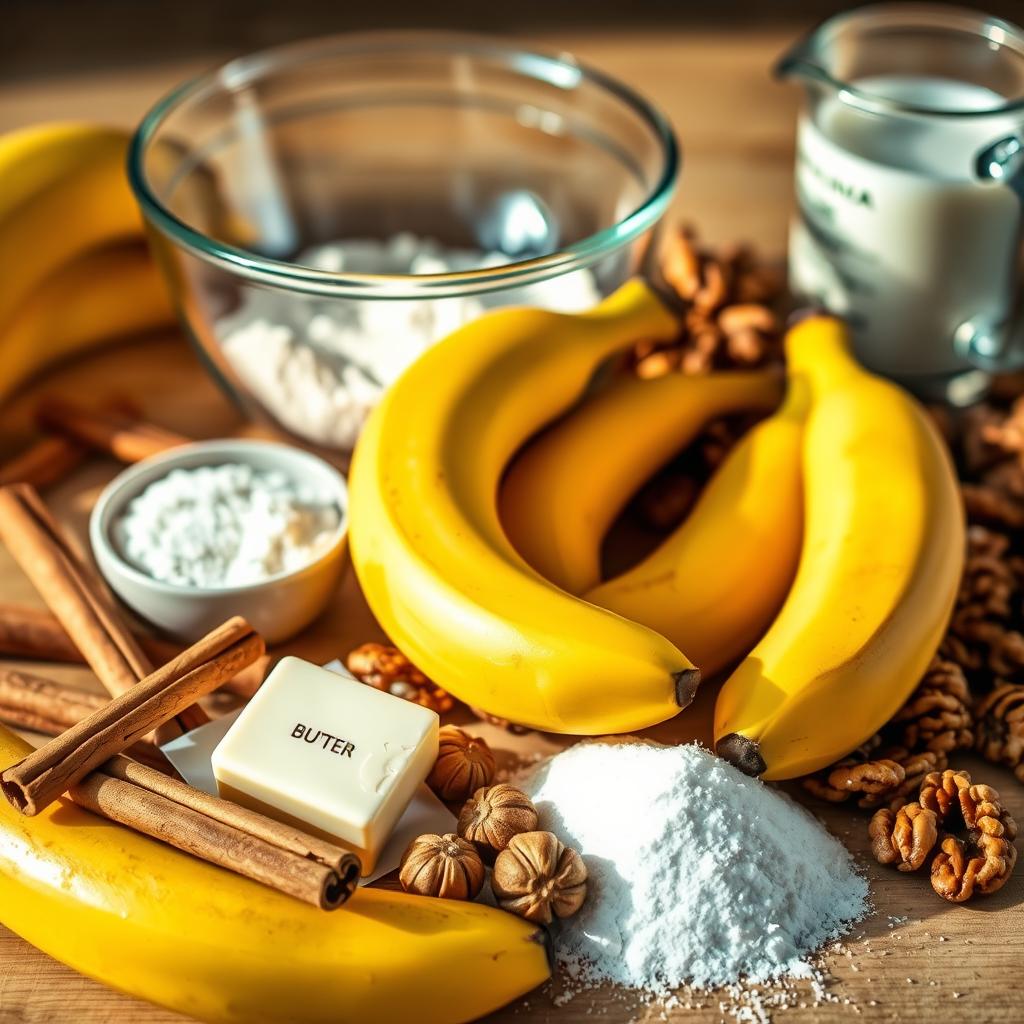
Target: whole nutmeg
(464,764)
(538,877)
(493,815)
(444,866)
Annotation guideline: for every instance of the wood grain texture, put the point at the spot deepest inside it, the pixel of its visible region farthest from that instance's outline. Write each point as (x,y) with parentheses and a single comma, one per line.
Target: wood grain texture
(916,958)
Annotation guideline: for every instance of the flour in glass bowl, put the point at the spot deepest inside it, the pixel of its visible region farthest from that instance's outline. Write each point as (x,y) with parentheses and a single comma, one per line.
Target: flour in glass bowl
(698,875)
(320,365)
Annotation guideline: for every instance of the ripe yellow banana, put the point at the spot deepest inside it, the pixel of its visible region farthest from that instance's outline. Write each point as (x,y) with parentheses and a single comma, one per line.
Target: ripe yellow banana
(155,923)
(879,569)
(100,296)
(565,489)
(715,584)
(65,191)
(434,563)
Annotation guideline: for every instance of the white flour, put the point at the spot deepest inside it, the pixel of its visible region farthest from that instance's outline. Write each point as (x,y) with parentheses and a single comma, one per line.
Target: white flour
(698,874)
(222,526)
(320,365)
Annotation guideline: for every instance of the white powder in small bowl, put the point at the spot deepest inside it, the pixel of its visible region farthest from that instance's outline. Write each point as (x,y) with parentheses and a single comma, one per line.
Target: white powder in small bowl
(697,874)
(224,526)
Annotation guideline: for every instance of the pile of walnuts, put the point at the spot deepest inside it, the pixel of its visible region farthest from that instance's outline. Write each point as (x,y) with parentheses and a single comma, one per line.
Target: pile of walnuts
(972,696)
(731,297)
(960,826)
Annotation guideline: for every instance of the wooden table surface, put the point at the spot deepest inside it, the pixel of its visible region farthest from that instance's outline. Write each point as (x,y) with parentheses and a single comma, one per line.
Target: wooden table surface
(915,958)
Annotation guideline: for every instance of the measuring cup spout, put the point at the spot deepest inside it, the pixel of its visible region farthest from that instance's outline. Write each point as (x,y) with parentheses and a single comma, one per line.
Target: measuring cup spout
(802,63)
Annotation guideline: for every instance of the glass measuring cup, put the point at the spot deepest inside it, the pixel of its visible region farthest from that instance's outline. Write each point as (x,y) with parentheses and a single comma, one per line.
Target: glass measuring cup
(910,190)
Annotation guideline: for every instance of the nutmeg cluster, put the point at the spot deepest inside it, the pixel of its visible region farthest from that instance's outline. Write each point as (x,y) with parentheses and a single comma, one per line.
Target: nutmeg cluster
(534,875)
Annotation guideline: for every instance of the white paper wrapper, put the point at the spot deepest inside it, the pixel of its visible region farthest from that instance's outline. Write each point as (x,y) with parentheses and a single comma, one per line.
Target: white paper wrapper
(190,754)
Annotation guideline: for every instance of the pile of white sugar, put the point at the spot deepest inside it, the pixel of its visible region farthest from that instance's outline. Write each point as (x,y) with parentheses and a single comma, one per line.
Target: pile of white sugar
(698,874)
(321,364)
(224,526)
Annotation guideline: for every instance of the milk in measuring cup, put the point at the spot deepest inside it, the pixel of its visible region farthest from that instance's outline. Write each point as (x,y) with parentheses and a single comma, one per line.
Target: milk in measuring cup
(893,229)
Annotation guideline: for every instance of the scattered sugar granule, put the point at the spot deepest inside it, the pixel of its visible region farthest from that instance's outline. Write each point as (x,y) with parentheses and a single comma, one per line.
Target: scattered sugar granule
(697,873)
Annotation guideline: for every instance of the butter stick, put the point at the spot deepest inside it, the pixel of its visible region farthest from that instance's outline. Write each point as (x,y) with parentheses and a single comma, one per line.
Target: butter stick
(328,755)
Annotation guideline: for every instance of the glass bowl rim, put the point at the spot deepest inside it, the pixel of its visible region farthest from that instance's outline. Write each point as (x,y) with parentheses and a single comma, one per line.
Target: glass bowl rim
(560,69)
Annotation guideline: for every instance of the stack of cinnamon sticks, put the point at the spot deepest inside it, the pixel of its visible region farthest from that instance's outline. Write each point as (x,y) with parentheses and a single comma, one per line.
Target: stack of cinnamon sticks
(35,634)
(76,597)
(113,428)
(85,762)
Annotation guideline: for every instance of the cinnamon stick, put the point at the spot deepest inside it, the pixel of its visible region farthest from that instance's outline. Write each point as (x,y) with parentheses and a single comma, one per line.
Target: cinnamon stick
(27,632)
(140,797)
(29,721)
(76,598)
(63,705)
(44,463)
(110,431)
(51,459)
(312,881)
(36,634)
(253,823)
(39,779)
(143,751)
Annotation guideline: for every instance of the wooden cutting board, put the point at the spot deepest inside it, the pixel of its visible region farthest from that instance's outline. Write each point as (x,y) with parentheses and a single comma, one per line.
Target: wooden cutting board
(916,957)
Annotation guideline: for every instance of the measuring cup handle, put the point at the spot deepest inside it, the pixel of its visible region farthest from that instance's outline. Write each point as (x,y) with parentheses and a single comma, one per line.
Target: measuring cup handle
(998,345)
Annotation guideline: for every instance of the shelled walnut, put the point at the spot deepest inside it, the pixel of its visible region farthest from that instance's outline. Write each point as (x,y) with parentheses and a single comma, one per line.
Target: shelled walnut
(937,715)
(387,668)
(537,877)
(904,837)
(851,777)
(980,864)
(915,765)
(976,855)
(730,321)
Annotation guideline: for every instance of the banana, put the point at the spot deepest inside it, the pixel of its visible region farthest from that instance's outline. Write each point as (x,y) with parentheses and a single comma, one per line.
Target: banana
(430,553)
(879,570)
(100,296)
(158,924)
(565,489)
(65,192)
(715,584)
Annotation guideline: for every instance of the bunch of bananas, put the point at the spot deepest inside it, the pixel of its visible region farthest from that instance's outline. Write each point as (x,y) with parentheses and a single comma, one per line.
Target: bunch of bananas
(76,270)
(825,552)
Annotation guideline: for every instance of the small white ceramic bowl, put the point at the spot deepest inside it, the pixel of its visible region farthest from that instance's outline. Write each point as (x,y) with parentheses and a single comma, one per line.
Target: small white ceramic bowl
(278,607)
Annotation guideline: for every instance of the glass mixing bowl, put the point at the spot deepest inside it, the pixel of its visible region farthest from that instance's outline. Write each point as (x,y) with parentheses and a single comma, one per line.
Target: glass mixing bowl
(324,211)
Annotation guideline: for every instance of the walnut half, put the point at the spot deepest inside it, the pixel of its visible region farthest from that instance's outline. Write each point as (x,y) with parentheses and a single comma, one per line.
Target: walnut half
(982,863)
(904,837)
